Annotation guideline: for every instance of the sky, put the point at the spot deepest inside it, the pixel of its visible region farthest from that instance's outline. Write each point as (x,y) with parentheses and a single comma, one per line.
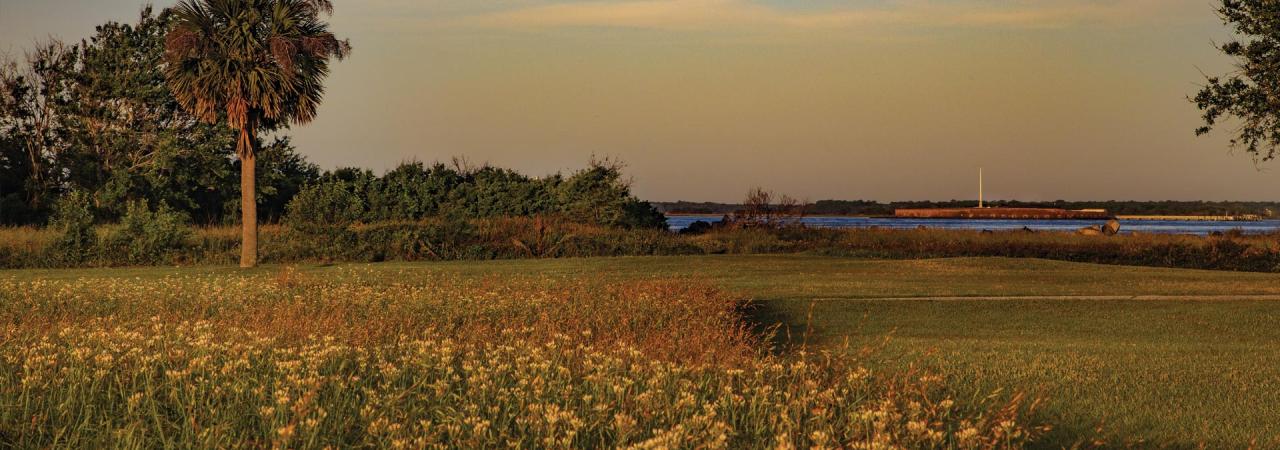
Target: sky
(822,99)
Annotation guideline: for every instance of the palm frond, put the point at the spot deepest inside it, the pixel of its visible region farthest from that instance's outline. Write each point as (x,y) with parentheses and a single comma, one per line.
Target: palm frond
(258,63)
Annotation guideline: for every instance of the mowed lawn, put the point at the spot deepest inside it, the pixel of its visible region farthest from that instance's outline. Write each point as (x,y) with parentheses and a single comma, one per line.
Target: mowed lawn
(1126,356)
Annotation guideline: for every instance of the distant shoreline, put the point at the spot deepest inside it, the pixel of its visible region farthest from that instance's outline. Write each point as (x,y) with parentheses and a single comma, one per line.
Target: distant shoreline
(1142,218)
(1138,209)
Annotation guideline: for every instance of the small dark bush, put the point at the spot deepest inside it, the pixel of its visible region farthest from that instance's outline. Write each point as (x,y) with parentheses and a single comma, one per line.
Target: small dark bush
(697,227)
(642,214)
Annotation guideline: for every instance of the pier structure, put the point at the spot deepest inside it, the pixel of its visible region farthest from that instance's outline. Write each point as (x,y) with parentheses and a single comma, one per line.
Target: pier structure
(1004,213)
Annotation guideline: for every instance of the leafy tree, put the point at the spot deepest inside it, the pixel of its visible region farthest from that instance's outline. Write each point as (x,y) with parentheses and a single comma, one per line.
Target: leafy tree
(599,195)
(130,138)
(30,129)
(256,64)
(15,172)
(98,117)
(1251,93)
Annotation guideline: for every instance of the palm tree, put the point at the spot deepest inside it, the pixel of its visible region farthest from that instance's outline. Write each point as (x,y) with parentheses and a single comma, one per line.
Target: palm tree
(258,65)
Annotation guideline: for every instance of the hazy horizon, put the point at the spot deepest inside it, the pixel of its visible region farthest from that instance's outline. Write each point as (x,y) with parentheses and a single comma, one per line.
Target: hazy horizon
(704,99)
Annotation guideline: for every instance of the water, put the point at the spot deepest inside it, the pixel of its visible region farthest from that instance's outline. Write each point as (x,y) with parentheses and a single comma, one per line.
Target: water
(1201,227)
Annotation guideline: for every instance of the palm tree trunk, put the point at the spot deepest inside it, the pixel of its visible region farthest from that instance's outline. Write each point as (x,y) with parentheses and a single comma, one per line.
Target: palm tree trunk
(248,203)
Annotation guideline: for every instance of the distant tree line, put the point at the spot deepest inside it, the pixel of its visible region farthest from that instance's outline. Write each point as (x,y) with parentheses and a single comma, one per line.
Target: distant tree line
(97,119)
(874,208)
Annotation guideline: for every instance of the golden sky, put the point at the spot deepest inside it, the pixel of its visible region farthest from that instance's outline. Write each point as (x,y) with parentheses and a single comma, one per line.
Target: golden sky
(874,99)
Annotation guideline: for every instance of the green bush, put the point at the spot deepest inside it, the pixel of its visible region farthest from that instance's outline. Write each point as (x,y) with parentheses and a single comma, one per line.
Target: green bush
(321,207)
(147,236)
(322,215)
(76,241)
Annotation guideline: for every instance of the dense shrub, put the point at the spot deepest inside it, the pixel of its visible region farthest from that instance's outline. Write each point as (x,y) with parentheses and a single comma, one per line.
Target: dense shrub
(148,236)
(321,207)
(322,214)
(76,239)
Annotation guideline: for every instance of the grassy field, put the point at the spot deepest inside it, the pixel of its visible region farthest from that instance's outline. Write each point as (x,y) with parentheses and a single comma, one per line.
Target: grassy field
(427,357)
(1126,356)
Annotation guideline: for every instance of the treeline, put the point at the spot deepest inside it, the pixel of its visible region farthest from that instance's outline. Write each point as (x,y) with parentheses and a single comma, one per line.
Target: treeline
(155,238)
(96,120)
(874,208)
(597,195)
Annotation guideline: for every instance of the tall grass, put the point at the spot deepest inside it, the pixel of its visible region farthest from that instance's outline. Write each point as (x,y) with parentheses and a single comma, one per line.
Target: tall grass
(24,240)
(682,321)
(368,360)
